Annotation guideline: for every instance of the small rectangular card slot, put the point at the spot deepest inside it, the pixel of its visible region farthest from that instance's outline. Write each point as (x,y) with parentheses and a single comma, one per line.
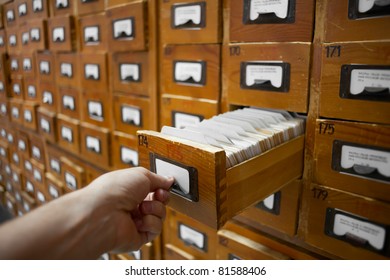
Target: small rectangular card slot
(47,97)
(95,110)
(93,144)
(360,9)
(59,34)
(36,152)
(357,231)
(45,125)
(27,116)
(181,119)
(37,6)
(70,181)
(92,72)
(188,16)
(269,11)
(268,76)
(14,65)
(41,197)
(1,86)
(3,109)
(361,160)
(271,204)
(365,82)
(15,112)
(123,29)
(16,89)
(27,64)
(66,70)
(53,191)
(15,158)
(22,145)
(44,67)
(68,102)
(129,156)
(55,166)
(10,16)
(91,34)
(131,115)
(25,38)
(192,237)
(35,35)
(62,4)
(12,40)
(37,175)
(186,177)
(28,165)
(67,134)
(22,9)
(130,72)
(189,72)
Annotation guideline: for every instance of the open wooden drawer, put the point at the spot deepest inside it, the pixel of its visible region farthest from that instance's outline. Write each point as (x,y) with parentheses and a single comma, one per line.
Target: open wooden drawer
(212,194)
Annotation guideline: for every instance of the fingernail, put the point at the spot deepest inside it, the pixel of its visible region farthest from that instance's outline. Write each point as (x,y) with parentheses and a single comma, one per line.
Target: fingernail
(168,177)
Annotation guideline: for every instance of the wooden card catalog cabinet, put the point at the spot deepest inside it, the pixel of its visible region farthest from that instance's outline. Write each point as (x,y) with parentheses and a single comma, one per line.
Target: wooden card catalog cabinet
(353,20)
(269,75)
(353,157)
(192,70)
(356,77)
(346,225)
(126,27)
(191,21)
(130,72)
(208,191)
(270,21)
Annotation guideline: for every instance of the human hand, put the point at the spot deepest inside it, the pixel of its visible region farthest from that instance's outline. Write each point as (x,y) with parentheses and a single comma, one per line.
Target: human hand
(129,206)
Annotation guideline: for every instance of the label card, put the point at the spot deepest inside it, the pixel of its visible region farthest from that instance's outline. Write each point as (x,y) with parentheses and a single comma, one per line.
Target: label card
(37,175)
(136,254)
(59,34)
(62,4)
(44,67)
(123,29)
(70,181)
(47,98)
(91,34)
(27,116)
(95,110)
(67,134)
(21,145)
(37,5)
(10,138)
(15,112)
(53,191)
(189,16)
(35,34)
(16,89)
(28,166)
(93,144)
(181,120)
(27,64)
(193,73)
(22,9)
(12,40)
(3,109)
(25,38)
(30,187)
(15,158)
(66,70)
(45,125)
(1,41)
(55,166)
(131,115)
(192,237)
(269,11)
(36,152)
(68,102)
(92,72)
(271,204)
(14,65)
(130,72)
(129,156)
(31,91)
(41,197)
(10,15)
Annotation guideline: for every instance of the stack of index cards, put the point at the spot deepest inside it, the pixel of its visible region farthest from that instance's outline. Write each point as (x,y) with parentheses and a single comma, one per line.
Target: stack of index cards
(243,133)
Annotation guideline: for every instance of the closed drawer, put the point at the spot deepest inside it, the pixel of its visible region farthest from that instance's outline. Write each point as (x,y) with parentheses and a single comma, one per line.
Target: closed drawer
(29,111)
(54,187)
(68,133)
(70,102)
(355,20)
(278,211)
(23,143)
(281,21)
(353,157)
(124,150)
(45,66)
(274,75)
(39,9)
(37,146)
(47,124)
(17,89)
(130,73)
(181,111)
(73,175)
(191,21)
(127,27)
(90,6)
(48,95)
(93,33)
(15,67)
(94,72)
(192,70)
(23,11)
(95,145)
(189,235)
(346,225)
(68,69)
(38,39)
(28,65)
(10,14)
(13,41)
(97,108)
(62,34)
(132,113)
(355,76)
(53,161)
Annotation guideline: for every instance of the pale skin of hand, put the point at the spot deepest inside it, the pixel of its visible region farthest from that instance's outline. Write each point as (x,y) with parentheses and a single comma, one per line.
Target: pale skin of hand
(118,212)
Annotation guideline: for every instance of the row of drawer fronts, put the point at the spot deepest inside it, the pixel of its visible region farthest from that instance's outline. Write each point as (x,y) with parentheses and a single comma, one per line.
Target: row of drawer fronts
(118,29)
